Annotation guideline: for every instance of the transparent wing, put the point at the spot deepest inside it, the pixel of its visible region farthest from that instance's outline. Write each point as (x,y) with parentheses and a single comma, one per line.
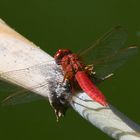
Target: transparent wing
(18,76)
(108,44)
(104,67)
(47,73)
(21,98)
(108,52)
(17,94)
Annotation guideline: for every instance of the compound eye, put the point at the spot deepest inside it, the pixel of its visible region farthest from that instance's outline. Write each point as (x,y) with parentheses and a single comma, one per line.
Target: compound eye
(60,50)
(59,55)
(66,52)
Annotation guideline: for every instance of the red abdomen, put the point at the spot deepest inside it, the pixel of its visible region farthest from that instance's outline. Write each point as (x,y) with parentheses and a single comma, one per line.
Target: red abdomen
(89,88)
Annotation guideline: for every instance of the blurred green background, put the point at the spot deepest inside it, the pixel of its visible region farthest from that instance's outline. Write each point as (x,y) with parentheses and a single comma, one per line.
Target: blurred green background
(54,24)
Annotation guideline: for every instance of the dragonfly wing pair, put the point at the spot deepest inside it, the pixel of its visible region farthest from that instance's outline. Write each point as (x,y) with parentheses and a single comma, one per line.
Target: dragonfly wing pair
(106,54)
(109,52)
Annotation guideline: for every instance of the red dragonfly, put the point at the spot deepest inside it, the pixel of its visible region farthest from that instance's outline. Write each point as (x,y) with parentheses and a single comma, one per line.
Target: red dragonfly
(102,59)
(103,54)
(74,69)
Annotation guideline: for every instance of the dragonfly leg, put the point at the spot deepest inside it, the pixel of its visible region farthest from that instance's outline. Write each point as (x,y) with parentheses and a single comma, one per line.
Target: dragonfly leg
(107,76)
(89,69)
(97,80)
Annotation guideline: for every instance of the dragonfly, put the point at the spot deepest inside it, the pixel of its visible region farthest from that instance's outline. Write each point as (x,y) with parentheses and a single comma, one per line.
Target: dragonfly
(102,58)
(104,52)
(75,72)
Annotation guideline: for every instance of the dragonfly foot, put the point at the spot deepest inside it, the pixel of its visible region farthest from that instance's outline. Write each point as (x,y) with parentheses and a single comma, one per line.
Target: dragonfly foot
(108,76)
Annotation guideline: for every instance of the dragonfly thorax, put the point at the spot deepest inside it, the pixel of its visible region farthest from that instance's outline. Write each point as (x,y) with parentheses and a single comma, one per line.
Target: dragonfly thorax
(72,60)
(69,61)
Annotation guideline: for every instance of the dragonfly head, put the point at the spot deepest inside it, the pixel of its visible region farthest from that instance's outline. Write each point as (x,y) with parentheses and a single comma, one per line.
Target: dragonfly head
(60,54)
